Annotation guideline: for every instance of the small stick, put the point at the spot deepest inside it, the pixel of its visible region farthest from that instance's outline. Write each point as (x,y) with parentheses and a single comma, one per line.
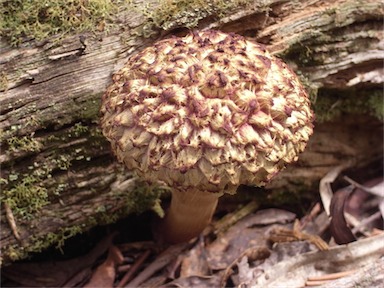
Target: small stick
(128,276)
(331,276)
(124,268)
(377,190)
(288,235)
(160,262)
(359,227)
(314,283)
(230,219)
(11,221)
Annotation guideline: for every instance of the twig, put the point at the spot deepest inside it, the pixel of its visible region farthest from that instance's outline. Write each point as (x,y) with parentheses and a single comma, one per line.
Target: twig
(11,221)
(364,222)
(287,235)
(230,219)
(375,190)
(316,210)
(161,261)
(331,276)
(124,268)
(128,276)
(320,280)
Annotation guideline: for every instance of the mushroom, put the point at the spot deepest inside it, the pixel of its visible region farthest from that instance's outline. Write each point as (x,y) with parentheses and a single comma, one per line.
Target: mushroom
(205,113)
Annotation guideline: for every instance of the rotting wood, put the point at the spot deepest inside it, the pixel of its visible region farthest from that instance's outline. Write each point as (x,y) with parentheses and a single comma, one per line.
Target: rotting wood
(49,102)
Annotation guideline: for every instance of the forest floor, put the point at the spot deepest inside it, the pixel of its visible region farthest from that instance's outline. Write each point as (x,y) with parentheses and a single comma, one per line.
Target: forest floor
(337,242)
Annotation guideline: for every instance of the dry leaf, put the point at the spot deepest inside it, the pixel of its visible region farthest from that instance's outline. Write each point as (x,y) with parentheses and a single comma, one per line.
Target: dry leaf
(338,226)
(195,262)
(373,187)
(104,275)
(326,192)
(248,232)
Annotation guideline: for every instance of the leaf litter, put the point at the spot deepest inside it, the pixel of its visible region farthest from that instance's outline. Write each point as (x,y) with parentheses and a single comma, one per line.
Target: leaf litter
(267,248)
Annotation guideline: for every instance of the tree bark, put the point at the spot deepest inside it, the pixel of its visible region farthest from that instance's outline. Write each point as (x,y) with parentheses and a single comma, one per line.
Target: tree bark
(58,176)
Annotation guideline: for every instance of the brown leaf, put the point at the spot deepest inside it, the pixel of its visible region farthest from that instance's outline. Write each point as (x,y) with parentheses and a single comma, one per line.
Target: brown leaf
(338,226)
(360,199)
(248,232)
(325,186)
(195,263)
(104,276)
(374,187)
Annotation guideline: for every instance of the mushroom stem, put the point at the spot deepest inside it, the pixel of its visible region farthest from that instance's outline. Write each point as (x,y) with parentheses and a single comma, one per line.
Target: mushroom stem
(190,212)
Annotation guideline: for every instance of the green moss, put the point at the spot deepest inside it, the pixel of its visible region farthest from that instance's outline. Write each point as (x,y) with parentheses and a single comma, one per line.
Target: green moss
(79,129)
(28,190)
(328,103)
(158,209)
(60,188)
(39,243)
(63,161)
(38,19)
(331,104)
(90,108)
(63,234)
(376,105)
(24,143)
(3,181)
(28,193)
(171,14)
(302,54)
(142,197)
(26,197)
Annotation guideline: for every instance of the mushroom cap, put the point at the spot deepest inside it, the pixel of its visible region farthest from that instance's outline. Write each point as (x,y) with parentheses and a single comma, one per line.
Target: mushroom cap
(209,111)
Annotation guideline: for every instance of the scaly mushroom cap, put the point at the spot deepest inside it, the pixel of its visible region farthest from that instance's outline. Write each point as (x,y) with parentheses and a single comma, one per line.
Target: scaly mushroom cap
(210,110)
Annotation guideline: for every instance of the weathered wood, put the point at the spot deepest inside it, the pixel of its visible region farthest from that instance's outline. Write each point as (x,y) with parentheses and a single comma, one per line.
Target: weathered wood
(58,175)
